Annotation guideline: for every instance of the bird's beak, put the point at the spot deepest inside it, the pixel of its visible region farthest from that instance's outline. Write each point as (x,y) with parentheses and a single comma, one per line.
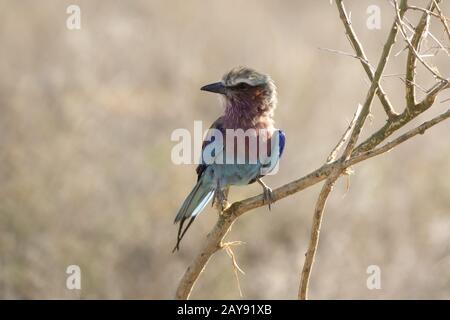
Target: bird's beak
(217,87)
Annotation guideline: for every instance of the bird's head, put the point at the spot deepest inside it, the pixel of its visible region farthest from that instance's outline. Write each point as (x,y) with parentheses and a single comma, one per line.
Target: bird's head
(246,89)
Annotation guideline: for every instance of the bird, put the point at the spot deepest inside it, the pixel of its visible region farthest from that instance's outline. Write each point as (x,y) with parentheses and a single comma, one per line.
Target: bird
(249,99)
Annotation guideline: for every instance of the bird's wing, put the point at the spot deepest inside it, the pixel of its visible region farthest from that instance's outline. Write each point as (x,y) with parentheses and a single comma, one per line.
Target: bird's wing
(201,194)
(278,142)
(281,142)
(218,124)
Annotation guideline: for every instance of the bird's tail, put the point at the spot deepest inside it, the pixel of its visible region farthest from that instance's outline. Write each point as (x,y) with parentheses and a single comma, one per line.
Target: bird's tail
(195,202)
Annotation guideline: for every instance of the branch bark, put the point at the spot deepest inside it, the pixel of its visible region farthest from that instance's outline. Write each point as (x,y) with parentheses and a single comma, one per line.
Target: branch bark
(412,58)
(315,232)
(412,49)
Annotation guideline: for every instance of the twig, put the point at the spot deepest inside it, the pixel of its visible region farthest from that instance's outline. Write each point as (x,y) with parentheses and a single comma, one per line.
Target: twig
(410,7)
(363,61)
(411,46)
(414,84)
(409,114)
(390,145)
(414,44)
(351,35)
(432,94)
(443,19)
(345,136)
(404,118)
(427,31)
(375,81)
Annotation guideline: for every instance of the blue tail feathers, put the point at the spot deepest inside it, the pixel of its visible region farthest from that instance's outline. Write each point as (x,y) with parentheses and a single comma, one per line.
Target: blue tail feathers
(195,202)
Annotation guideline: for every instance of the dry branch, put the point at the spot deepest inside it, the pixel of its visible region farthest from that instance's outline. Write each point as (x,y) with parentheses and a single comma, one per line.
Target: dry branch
(412,58)
(390,145)
(412,48)
(355,133)
(351,35)
(315,231)
(443,19)
(345,136)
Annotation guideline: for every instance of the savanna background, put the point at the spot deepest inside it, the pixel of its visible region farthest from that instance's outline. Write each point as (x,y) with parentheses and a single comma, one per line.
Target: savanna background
(86,176)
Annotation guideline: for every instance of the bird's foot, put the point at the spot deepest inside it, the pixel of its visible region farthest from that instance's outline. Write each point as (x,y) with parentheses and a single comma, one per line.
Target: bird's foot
(223,206)
(267,194)
(220,201)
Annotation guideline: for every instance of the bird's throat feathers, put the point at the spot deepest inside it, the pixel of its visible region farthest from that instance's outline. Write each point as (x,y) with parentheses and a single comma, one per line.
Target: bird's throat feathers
(249,112)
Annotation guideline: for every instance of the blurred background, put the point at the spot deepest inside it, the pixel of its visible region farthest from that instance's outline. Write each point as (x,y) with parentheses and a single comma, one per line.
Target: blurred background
(86,176)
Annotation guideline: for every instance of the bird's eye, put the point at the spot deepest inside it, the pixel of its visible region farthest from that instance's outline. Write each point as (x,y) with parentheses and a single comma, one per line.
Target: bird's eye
(242,85)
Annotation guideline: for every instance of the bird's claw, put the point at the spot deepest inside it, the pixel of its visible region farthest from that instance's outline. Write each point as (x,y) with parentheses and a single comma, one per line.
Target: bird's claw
(220,200)
(268,197)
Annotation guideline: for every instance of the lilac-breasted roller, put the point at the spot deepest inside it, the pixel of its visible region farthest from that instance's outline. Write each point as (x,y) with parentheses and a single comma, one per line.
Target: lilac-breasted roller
(245,145)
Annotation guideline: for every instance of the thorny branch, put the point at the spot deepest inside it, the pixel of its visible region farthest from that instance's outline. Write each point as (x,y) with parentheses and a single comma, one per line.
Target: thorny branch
(351,35)
(353,153)
(422,27)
